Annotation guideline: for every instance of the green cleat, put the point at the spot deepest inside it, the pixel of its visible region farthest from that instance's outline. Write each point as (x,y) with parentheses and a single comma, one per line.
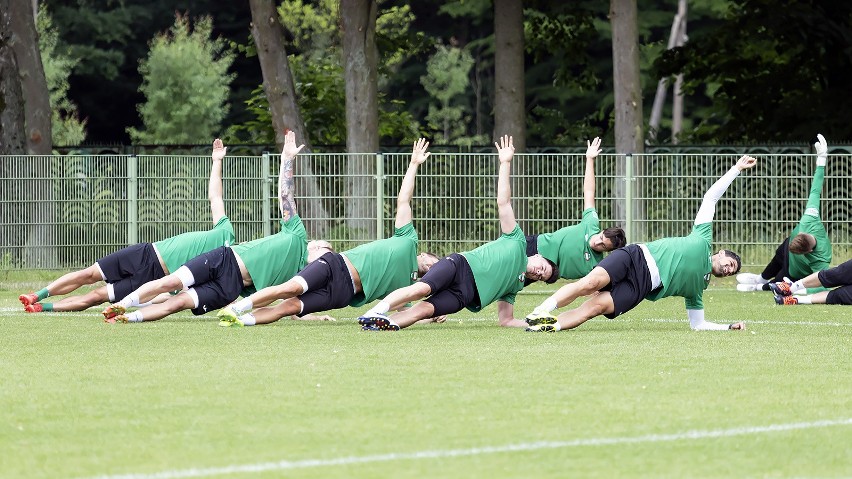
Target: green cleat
(228,318)
(535,318)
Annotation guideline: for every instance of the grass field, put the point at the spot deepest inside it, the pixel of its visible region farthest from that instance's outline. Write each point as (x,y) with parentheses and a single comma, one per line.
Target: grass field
(640,396)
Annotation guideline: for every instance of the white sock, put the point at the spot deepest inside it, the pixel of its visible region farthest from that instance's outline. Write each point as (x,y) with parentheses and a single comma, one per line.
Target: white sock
(135,317)
(806,299)
(557,326)
(751,278)
(797,286)
(382,308)
(547,306)
(242,305)
(248,319)
(131,299)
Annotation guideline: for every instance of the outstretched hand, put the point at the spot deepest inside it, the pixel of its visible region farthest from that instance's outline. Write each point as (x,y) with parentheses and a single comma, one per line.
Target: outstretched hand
(290,149)
(419,153)
(746,162)
(505,149)
(593,148)
(218,149)
(821,146)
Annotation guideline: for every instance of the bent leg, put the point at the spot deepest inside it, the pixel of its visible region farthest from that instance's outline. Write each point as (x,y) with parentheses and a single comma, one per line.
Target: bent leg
(270,314)
(71,281)
(83,301)
(173,305)
(416,291)
(421,310)
(597,305)
(591,283)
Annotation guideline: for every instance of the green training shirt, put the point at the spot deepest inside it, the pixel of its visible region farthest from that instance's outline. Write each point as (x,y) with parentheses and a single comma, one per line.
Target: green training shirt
(801,265)
(498,268)
(274,259)
(684,264)
(385,265)
(569,247)
(179,249)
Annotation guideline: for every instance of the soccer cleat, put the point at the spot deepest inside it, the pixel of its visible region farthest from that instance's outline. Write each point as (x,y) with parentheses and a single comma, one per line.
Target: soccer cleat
(117,318)
(541,328)
(228,318)
(113,310)
(378,321)
(33,308)
(781,288)
(28,299)
(540,317)
(786,300)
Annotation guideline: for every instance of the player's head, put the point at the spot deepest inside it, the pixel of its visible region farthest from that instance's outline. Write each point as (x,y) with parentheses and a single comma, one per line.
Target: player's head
(425,261)
(540,268)
(725,263)
(317,248)
(608,240)
(802,243)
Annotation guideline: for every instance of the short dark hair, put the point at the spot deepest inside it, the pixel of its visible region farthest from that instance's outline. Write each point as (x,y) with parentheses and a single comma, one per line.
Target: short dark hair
(616,235)
(554,275)
(736,258)
(802,243)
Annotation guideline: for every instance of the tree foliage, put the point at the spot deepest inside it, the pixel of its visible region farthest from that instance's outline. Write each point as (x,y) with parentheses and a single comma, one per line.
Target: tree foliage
(186,85)
(771,71)
(67,127)
(446,80)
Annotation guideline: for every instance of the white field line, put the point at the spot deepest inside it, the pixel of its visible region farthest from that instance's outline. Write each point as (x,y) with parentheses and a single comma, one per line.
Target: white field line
(284,465)
(684,321)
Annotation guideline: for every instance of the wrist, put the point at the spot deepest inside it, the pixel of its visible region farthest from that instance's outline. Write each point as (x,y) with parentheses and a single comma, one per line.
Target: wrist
(821,160)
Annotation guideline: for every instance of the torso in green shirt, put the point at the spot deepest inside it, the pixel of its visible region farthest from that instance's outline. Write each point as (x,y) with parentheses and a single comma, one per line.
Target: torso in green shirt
(801,265)
(684,264)
(569,247)
(177,250)
(274,259)
(498,268)
(385,265)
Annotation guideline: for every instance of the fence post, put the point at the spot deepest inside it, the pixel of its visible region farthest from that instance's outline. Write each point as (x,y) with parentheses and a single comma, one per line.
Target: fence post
(265,183)
(628,197)
(380,194)
(132,199)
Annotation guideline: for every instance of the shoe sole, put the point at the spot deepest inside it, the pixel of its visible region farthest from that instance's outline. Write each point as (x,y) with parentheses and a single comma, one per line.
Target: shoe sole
(112,311)
(27,299)
(540,320)
(385,325)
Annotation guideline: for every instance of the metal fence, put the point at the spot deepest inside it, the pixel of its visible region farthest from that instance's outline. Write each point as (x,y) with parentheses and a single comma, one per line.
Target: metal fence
(61,212)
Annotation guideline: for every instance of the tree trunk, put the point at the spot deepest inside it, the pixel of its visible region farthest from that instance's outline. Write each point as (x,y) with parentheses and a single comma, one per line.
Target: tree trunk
(360,59)
(628,106)
(509,93)
(39,250)
(268,34)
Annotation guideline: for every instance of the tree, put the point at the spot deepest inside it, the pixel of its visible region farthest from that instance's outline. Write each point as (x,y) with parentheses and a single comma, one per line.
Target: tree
(186,85)
(66,126)
(12,129)
(446,80)
(358,23)
(280,93)
(33,84)
(629,136)
(509,88)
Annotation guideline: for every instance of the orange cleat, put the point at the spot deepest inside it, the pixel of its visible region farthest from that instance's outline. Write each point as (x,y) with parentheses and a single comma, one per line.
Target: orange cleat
(113,310)
(33,308)
(28,299)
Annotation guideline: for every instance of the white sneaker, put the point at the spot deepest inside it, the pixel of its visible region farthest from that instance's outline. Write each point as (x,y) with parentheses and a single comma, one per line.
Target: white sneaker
(749,287)
(750,278)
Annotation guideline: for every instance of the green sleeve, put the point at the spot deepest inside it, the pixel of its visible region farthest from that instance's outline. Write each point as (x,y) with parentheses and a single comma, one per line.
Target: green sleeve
(695,302)
(816,191)
(509,298)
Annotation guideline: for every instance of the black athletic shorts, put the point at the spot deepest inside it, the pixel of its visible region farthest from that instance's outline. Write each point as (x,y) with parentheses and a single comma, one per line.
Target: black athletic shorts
(129,268)
(217,276)
(630,279)
(329,284)
(453,286)
(532,245)
(840,275)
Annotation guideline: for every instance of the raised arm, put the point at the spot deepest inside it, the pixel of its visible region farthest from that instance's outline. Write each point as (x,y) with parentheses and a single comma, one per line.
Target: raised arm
(821,148)
(406,190)
(286,201)
(214,188)
(505,151)
(708,206)
(593,148)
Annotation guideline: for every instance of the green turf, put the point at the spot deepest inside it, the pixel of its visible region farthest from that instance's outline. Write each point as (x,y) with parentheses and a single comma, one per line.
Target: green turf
(182,397)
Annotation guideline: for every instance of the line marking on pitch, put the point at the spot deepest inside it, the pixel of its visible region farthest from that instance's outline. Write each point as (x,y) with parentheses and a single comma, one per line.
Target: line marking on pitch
(476,451)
